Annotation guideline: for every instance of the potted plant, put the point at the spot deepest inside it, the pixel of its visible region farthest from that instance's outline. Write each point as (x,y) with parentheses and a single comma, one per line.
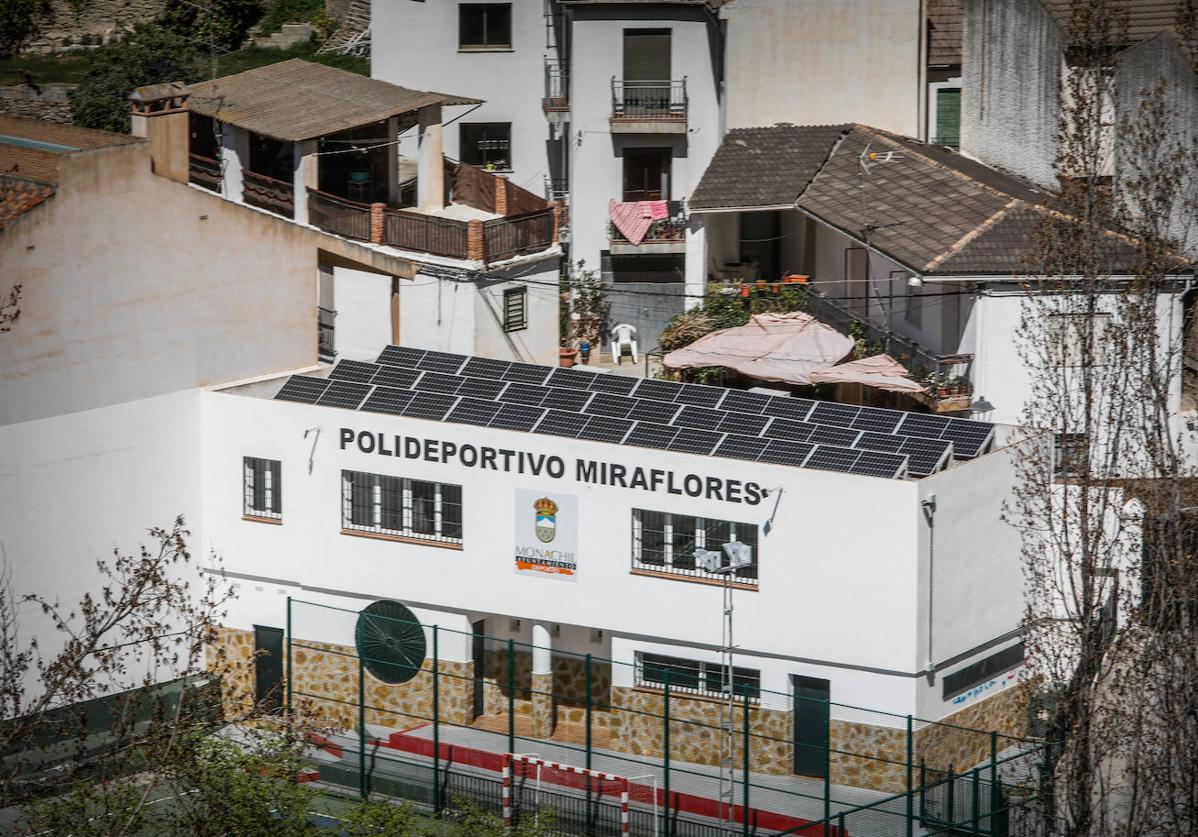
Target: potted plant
(566,356)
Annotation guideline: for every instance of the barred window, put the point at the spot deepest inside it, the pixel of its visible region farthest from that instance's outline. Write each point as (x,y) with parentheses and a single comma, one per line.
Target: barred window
(487,145)
(262,486)
(515,309)
(694,676)
(666,542)
(406,508)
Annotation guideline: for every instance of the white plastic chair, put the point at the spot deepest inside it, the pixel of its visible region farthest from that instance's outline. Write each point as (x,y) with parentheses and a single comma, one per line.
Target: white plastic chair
(623,337)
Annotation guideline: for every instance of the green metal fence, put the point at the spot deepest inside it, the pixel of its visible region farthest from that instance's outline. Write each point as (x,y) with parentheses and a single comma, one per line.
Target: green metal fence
(440,734)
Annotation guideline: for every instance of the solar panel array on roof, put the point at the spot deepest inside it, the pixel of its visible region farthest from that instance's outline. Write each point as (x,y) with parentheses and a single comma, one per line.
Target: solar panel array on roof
(686,418)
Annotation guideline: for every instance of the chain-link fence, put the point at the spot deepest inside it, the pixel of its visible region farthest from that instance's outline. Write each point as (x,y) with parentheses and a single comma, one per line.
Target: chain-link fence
(426,713)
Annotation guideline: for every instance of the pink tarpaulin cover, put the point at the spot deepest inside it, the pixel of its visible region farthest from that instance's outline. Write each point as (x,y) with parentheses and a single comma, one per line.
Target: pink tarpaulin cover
(633,218)
(771,347)
(879,371)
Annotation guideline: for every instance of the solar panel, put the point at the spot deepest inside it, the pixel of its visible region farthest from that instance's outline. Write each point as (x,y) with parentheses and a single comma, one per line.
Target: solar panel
(482,388)
(605,429)
(746,424)
(616,384)
(484,367)
(877,421)
(698,417)
(791,408)
(387,400)
(429,405)
(741,447)
(566,399)
(881,441)
(745,402)
(694,441)
(780,452)
(348,394)
(527,373)
(925,456)
(610,405)
(395,376)
(473,411)
(873,464)
(826,434)
(353,370)
(303,389)
(559,423)
(658,412)
(438,382)
(441,362)
(969,438)
(401,356)
(922,424)
(517,417)
(571,378)
(795,431)
(827,412)
(698,395)
(524,394)
(657,390)
(832,458)
(647,435)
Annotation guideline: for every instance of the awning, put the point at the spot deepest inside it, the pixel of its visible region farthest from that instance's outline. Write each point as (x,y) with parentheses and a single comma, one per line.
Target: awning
(771,347)
(879,372)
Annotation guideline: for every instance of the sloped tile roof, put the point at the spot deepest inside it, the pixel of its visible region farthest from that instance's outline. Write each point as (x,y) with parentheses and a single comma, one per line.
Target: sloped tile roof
(18,196)
(30,149)
(927,208)
(298,100)
(762,167)
(945,32)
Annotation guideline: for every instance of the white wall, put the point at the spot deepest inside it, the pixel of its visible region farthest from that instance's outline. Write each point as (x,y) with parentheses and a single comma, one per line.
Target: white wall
(820,62)
(596,167)
(73,488)
(415,45)
(539,341)
(437,313)
(833,592)
(362,301)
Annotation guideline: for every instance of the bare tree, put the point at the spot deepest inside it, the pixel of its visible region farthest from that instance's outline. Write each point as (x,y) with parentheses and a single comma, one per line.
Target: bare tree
(1108,562)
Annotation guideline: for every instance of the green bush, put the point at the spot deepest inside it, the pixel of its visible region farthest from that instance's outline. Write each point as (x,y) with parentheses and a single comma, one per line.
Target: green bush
(279,12)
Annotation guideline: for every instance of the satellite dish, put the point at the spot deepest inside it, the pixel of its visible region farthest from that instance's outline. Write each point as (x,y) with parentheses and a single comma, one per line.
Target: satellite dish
(390,642)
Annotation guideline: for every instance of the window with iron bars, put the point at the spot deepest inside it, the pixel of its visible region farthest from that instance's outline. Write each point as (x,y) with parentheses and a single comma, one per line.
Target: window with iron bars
(487,145)
(401,507)
(694,676)
(515,309)
(262,486)
(666,542)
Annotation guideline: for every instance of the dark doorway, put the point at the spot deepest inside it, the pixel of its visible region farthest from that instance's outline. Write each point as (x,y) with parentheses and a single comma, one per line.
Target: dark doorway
(760,234)
(811,726)
(646,174)
(856,279)
(268,668)
(479,655)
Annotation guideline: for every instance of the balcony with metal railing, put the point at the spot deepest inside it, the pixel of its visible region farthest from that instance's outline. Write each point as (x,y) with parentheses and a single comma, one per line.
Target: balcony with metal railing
(649,107)
(665,235)
(556,102)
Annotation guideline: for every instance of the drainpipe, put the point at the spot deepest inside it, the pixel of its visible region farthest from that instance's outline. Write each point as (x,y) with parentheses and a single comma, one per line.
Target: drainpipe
(929,514)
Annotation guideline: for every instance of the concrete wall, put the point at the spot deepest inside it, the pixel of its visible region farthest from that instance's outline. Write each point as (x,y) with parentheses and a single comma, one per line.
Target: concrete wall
(134,286)
(1013,53)
(818,62)
(416,45)
(362,301)
(75,487)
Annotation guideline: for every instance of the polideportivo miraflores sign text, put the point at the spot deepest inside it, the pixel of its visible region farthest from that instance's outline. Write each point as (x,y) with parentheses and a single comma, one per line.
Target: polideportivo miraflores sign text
(592,471)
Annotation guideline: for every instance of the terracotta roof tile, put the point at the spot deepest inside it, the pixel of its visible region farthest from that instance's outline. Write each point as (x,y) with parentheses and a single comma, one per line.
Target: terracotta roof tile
(945,32)
(18,196)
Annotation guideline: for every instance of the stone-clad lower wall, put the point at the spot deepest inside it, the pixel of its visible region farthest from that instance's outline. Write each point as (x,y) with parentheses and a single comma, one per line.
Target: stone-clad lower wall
(569,690)
(232,657)
(945,745)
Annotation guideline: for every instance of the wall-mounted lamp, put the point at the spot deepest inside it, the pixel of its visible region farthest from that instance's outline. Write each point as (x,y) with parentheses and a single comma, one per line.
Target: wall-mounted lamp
(914,281)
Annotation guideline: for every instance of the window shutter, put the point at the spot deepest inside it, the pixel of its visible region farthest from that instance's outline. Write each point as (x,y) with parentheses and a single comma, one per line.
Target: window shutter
(646,54)
(948,117)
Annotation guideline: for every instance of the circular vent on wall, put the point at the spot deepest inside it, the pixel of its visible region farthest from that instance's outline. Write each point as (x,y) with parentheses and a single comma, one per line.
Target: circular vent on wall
(390,642)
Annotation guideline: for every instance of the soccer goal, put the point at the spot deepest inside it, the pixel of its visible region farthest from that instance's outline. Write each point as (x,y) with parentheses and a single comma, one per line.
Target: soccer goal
(591,801)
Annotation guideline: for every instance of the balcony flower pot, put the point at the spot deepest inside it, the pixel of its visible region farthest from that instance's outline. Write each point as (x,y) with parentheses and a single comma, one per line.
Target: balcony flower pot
(566,356)
(942,391)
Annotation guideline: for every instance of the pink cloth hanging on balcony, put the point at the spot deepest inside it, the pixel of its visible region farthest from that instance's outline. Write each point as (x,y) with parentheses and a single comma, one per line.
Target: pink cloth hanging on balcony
(632,218)
(658,210)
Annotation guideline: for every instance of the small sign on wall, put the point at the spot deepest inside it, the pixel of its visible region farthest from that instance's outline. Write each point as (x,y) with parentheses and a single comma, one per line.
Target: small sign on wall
(547,534)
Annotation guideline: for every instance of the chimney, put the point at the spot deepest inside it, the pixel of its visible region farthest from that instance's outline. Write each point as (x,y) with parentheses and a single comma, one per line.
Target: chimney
(160,114)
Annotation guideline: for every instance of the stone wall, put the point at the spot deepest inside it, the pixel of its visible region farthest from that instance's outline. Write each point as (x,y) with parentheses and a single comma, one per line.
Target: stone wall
(569,690)
(232,657)
(48,105)
(962,740)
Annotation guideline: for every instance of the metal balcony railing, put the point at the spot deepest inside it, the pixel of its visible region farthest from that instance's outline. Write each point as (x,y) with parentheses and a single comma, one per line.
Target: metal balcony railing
(557,88)
(326,328)
(671,228)
(655,101)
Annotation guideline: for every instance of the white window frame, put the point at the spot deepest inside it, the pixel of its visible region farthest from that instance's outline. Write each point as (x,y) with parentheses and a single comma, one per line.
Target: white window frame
(702,524)
(272,477)
(407,510)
